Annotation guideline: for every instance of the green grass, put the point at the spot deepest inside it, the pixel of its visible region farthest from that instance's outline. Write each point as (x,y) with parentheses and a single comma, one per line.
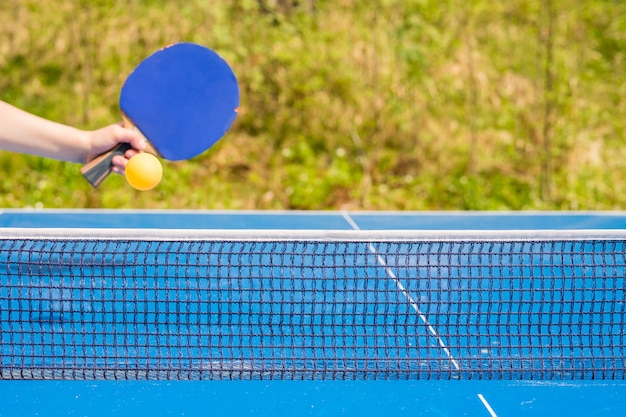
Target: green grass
(392,104)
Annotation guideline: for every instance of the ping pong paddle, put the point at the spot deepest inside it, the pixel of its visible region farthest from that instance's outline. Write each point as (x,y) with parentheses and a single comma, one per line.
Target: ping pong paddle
(183,99)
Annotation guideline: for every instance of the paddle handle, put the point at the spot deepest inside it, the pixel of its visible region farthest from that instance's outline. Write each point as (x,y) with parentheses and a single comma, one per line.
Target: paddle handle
(96,170)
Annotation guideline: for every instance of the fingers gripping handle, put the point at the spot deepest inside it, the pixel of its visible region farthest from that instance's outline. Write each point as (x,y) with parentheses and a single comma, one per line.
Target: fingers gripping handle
(101,166)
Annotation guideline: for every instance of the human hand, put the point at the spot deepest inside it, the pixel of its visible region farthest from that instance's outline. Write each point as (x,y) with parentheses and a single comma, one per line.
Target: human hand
(104,139)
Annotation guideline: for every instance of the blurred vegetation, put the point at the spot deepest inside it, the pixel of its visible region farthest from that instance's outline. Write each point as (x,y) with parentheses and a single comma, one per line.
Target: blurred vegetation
(383,104)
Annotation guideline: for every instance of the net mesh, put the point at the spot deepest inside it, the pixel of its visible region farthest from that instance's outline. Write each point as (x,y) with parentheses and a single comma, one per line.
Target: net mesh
(93,308)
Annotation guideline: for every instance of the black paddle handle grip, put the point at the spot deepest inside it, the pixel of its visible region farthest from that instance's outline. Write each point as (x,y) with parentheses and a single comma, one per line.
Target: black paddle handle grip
(96,170)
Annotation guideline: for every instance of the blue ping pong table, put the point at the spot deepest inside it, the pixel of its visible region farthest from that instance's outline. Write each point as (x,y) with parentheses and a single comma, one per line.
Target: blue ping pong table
(312,398)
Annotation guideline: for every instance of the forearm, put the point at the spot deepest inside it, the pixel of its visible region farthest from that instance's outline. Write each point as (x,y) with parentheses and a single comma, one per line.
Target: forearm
(23,132)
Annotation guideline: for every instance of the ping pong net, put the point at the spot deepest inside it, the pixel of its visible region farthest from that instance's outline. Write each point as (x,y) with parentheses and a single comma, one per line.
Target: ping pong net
(247,305)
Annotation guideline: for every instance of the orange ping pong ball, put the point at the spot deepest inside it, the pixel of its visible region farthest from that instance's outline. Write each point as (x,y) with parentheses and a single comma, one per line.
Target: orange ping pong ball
(144,171)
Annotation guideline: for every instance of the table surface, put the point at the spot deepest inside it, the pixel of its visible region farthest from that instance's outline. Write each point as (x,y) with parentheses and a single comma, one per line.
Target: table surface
(314,220)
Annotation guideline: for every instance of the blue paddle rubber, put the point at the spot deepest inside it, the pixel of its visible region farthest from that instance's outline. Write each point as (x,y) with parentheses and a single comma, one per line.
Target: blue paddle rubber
(99,168)
(183,99)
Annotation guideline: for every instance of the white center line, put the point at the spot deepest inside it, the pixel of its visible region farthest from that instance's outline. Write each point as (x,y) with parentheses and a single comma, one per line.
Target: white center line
(487,406)
(410,299)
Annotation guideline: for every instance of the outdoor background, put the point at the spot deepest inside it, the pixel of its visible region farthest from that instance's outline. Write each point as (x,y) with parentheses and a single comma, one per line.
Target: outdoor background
(379,104)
